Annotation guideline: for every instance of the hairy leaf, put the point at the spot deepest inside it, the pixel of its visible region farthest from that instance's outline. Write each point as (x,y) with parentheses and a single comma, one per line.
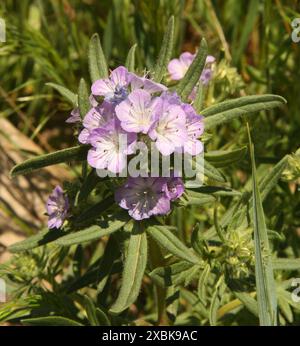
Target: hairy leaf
(134,267)
(77,153)
(97,62)
(165,52)
(228,110)
(171,243)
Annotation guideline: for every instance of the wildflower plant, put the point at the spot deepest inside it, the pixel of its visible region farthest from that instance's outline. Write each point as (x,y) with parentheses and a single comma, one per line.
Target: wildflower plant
(163,110)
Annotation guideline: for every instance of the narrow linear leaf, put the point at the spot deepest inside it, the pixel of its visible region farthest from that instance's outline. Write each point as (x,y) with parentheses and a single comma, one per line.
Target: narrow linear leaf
(249,302)
(43,237)
(265,283)
(193,74)
(51,321)
(199,98)
(175,274)
(102,318)
(197,198)
(77,153)
(171,243)
(228,110)
(216,301)
(91,311)
(91,233)
(165,52)
(225,158)
(83,98)
(97,62)
(286,263)
(251,18)
(213,173)
(202,284)
(130,60)
(68,94)
(134,267)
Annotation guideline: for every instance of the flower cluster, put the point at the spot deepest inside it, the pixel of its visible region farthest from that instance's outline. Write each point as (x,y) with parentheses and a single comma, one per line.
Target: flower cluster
(133,105)
(125,108)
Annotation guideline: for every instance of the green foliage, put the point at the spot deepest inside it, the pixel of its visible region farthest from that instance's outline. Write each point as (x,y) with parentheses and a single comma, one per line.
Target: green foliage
(266,290)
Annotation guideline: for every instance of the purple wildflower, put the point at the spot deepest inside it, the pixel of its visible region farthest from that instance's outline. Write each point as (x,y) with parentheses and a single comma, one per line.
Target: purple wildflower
(168,131)
(96,117)
(110,147)
(178,67)
(57,208)
(115,88)
(136,113)
(143,197)
(195,128)
(174,188)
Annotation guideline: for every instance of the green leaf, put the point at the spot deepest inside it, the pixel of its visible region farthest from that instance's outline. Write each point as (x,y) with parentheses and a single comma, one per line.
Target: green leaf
(174,274)
(51,321)
(130,60)
(193,74)
(102,318)
(270,180)
(216,301)
(247,29)
(228,110)
(202,283)
(199,98)
(134,267)
(249,302)
(91,311)
(165,52)
(286,263)
(97,62)
(265,284)
(171,243)
(43,237)
(213,173)
(220,158)
(83,98)
(68,94)
(197,198)
(77,153)
(91,233)
(96,316)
